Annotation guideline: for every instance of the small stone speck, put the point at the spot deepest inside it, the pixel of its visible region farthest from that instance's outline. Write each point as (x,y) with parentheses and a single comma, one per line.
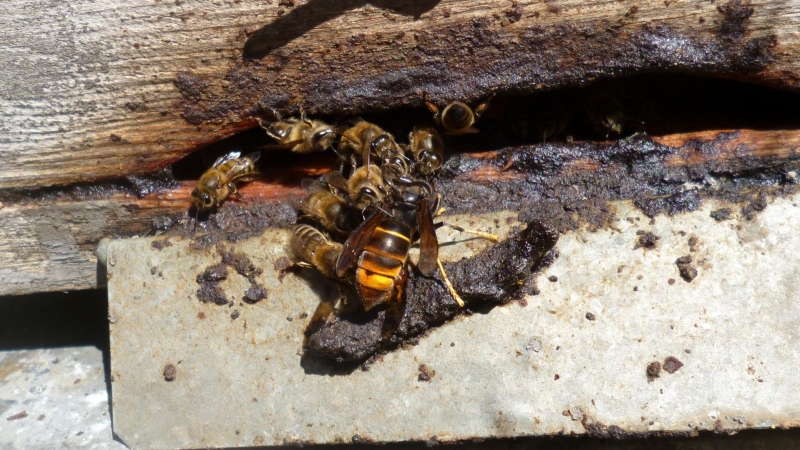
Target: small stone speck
(535,345)
(646,240)
(721,214)
(590,316)
(17,416)
(425,373)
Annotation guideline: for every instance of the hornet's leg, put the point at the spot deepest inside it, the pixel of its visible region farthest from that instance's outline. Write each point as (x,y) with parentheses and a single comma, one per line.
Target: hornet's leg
(449,285)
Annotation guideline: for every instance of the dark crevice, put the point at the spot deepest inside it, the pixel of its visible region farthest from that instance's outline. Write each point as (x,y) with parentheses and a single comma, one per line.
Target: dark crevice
(556,124)
(654,104)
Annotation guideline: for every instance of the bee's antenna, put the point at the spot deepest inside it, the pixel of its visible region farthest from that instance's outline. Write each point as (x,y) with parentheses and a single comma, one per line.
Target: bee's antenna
(196,216)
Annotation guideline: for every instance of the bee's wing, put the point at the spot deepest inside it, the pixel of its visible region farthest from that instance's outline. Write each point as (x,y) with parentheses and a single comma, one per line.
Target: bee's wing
(336,180)
(252,157)
(229,156)
(244,170)
(309,186)
(428,243)
(355,243)
(313,185)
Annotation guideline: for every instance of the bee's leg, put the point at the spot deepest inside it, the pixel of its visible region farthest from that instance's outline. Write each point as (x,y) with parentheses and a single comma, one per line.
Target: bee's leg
(274,113)
(481,108)
(325,311)
(302,264)
(303,117)
(509,163)
(449,285)
(365,157)
(234,192)
(437,116)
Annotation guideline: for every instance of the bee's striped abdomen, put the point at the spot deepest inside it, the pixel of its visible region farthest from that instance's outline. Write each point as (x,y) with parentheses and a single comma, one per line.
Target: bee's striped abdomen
(311,246)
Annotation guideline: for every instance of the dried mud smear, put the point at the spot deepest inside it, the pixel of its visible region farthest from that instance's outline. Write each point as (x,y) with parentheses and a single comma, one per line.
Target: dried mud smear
(569,184)
(492,277)
(209,280)
(672,365)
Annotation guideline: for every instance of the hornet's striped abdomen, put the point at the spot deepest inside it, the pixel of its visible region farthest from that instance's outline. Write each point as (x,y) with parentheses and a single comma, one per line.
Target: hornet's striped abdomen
(382,261)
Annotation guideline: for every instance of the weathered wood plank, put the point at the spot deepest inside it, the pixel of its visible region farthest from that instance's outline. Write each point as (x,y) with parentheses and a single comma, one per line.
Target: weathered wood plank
(49,243)
(98,89)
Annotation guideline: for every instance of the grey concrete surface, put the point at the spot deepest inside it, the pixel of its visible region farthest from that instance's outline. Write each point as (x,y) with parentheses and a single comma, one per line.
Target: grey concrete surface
(56,398)
(53,383)
(574,360)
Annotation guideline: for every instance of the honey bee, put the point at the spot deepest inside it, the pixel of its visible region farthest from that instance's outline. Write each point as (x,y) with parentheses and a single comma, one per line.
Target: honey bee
(220,180)
(427,147)
(606,111)
(457,117)
(365,187)
(365,140)
(310,248)
(327,208)
(299,135)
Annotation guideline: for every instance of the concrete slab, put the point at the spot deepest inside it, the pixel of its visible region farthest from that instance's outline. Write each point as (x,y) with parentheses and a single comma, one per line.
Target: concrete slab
(54,398)
(579,358)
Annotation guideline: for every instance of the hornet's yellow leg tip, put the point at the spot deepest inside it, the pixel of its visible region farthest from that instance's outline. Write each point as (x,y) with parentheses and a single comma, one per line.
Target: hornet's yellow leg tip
(449,285)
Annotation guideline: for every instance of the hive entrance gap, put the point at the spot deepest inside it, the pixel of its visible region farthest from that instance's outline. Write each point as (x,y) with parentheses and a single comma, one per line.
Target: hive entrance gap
(657,105)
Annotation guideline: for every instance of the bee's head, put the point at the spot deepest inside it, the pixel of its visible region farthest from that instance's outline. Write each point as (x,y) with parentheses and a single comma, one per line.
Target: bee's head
(202,200)
(429,162)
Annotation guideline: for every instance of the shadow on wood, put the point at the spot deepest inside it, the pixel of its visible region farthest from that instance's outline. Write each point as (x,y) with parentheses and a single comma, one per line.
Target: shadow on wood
(316,12)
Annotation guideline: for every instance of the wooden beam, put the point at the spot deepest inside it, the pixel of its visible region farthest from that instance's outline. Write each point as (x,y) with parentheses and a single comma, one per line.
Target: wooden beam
(48,242)
(101,89)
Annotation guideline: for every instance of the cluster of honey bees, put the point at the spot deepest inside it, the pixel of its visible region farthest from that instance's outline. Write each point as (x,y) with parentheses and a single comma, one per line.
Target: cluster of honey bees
(358,223)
